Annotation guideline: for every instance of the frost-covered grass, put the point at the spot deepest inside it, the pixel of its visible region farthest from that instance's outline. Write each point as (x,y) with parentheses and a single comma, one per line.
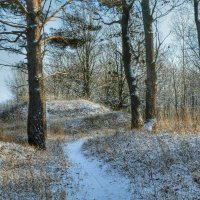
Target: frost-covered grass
(162,166)
(26,173)
(73,108)
(56,109)
(98,122)
(159,166)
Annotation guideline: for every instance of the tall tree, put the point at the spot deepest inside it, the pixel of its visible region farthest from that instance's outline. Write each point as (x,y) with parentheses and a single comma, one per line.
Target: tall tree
(136,121)
(125,7)
(37,112)
(197,20)
(150,63)
(34,17)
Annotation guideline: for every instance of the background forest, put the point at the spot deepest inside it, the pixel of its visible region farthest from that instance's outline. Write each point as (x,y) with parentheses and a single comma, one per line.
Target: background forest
(137,56)
(105,99)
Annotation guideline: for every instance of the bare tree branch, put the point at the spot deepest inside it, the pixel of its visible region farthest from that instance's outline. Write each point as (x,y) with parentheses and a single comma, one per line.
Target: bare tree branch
(12,33)
(56,73)
(23,9)
(57,11)
(14,25)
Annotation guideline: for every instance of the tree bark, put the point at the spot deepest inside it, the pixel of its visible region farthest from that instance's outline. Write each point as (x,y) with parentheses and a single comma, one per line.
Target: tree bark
(151,87)
(175,93)
(197,21)
(36,126)
(136,121)
(87,73)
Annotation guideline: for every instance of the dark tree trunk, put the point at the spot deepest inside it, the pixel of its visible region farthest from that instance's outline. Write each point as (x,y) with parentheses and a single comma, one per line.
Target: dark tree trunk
(136,121)
(197,21)
(87,75)
(151,87)
(37,112)
(175,94)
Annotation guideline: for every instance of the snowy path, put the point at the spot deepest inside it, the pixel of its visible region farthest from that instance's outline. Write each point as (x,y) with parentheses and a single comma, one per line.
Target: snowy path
(90,180)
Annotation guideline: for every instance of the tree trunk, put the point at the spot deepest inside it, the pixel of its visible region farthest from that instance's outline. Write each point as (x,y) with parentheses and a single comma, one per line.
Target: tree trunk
(151,87)
(87,74)
(175,93)
(197,21)
(36,126)
(136,121)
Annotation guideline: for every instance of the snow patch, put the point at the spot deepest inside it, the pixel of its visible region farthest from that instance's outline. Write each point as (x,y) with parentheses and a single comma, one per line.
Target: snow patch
(56,109)
(148,126)
(91,179)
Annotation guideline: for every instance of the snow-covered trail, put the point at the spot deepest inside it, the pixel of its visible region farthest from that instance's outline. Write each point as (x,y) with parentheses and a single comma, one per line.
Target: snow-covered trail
(91,180)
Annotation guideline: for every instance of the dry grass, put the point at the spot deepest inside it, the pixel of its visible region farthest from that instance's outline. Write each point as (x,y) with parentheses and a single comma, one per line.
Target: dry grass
(186,124)
(41,175)
(26,173)
(35,175)
(98,122)
(160,166)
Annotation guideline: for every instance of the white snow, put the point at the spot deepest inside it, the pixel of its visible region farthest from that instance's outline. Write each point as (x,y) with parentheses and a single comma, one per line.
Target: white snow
(74,108)
(148,126)
(91,179)
(159,166)
(57,109)
(26,173)
(154,166)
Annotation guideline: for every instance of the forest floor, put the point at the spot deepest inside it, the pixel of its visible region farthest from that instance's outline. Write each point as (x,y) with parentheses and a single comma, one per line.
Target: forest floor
(92,155)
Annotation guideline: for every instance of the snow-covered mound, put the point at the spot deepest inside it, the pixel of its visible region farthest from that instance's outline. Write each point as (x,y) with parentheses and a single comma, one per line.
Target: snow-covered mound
(56,109)
(74,116)
(111,120)
(74,108)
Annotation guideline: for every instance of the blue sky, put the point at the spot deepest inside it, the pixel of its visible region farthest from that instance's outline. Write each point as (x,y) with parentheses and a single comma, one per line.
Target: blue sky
(5,94)
(5,73)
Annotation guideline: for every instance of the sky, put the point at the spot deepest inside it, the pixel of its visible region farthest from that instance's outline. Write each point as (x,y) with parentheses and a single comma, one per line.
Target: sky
(6,73)
(5,94)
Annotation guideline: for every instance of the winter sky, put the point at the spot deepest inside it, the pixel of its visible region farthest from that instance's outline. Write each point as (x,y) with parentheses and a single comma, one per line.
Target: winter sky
(5,58)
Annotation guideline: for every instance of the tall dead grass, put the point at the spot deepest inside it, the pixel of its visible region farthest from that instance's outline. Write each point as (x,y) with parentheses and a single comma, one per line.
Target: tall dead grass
(40,175)
(187,123)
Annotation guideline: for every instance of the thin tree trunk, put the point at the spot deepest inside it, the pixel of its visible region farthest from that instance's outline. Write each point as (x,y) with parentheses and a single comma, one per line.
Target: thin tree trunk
(136,121)
(37,111)
(151,87)
(87,92)
(175,93)
(197,21)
